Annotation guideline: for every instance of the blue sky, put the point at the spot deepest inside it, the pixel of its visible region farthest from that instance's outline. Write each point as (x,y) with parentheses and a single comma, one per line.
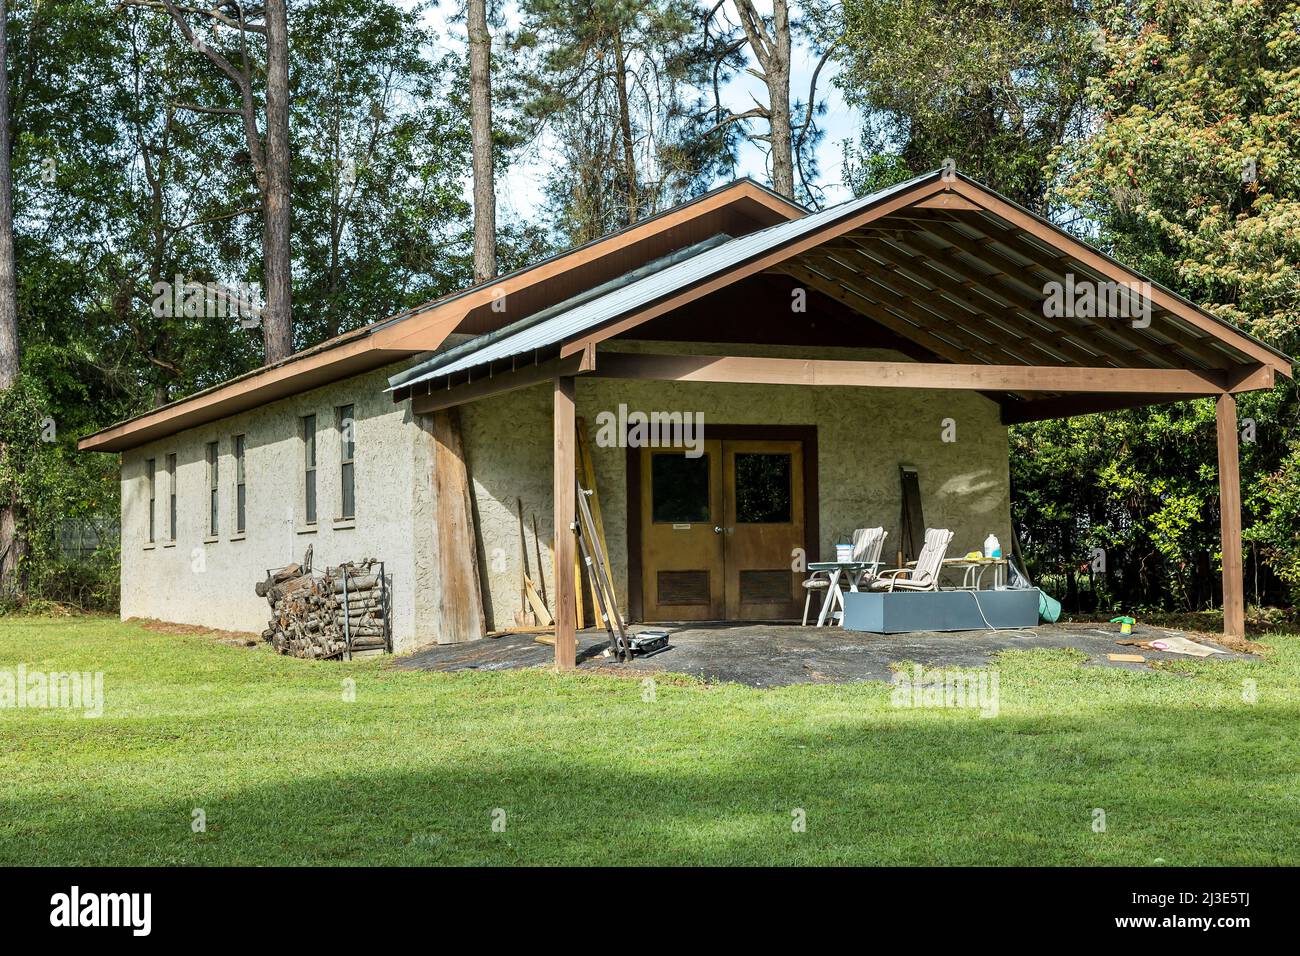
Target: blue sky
(519,193)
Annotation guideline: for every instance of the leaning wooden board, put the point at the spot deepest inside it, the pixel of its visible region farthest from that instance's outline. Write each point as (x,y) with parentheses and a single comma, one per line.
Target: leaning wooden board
(585,470)
(460,612)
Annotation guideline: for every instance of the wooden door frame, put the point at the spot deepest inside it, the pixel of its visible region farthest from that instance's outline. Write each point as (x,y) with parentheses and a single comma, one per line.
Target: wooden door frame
(811,505)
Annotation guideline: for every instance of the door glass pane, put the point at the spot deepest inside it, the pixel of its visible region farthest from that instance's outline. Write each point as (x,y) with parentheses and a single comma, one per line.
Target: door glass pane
(679,488)
(762,488)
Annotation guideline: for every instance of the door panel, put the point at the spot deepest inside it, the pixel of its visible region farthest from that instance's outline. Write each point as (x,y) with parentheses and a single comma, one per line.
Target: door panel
(718,532)
(681,565)
(763,504)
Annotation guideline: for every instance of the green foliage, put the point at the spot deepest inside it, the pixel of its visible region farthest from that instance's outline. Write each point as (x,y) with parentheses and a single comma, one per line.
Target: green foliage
(1274,499)
(994,86)
(380,146)
(1136,485)
(120,185)
(617,87)
(54,487)
(1191,173)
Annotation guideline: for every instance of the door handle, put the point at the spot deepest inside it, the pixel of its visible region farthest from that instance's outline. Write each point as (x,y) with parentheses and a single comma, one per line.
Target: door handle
(717,529)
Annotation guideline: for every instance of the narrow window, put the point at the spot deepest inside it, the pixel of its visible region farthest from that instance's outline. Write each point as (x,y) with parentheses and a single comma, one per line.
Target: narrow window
(151,469)
(348,446)
(240,493)
(171,495)
(212,489)
(309,465)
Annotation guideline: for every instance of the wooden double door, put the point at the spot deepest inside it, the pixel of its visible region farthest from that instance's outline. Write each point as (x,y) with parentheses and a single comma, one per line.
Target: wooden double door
(721,532)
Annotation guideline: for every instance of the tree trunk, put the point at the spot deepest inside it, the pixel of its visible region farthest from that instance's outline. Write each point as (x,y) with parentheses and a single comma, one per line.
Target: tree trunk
(778,94)
(8,276)
(480,98)
(277,322)
(625,126)
(10,544)
(772,51)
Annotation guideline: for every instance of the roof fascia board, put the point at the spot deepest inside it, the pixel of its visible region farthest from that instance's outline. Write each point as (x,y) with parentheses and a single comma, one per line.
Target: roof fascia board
(118,437)
(416,373)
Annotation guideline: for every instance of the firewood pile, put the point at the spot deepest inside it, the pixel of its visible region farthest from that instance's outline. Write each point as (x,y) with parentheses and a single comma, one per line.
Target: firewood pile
(335,615)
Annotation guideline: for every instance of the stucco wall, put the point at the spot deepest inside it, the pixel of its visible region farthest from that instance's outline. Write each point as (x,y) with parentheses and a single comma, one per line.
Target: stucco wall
(209,581)
(863,435)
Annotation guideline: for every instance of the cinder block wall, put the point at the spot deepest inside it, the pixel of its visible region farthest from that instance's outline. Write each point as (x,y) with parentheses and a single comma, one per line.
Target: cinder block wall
(208,580)
(863,434)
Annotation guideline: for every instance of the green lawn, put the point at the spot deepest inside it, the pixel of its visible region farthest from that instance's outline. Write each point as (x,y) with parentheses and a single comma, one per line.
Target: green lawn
(587,771)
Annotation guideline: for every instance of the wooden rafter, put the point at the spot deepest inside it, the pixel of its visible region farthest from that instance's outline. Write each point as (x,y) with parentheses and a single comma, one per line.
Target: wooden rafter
(1011,300)
(996,307)
(1091,259)
(944,311)
(1053,268)
(899,324)
(872,300)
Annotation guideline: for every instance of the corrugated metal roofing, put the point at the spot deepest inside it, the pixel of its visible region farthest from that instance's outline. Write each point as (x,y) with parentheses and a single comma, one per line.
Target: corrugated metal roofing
(524,336)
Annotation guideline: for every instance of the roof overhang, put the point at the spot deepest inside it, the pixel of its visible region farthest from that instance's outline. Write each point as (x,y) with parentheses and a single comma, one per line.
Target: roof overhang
(940,260)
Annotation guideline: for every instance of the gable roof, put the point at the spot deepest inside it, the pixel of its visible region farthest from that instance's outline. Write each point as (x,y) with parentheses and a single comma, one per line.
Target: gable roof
(526,336)
(968,294)
(736,208)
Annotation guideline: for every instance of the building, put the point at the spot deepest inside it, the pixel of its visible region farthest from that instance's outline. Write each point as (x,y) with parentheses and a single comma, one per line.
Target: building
(822,350)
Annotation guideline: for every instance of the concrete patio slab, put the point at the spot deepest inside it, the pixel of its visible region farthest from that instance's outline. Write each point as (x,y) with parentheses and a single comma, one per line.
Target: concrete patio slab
(775,655)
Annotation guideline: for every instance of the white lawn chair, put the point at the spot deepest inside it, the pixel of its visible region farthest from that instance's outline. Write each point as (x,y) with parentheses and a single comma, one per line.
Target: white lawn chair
(867,543)
(924,576)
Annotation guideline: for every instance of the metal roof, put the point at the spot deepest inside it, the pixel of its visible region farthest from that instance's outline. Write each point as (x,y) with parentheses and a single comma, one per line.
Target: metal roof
(684,269)
(472,345)
(527,335)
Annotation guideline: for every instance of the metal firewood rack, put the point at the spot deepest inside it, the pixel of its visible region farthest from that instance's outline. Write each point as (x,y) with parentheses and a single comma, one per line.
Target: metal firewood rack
(385,610)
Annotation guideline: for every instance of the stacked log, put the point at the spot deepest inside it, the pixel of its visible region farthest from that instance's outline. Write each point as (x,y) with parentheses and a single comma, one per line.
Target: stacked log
(315,616)
(366,603)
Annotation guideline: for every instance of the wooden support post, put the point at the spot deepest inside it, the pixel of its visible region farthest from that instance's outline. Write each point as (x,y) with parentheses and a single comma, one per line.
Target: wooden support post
(565,503)
(1234,603)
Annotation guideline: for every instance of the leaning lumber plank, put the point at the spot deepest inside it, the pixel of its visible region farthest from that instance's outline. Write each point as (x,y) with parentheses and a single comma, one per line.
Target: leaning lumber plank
(460,612)
(536,603)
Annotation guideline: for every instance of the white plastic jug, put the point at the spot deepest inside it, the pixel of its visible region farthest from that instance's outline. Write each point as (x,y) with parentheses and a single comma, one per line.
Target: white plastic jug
(992,547)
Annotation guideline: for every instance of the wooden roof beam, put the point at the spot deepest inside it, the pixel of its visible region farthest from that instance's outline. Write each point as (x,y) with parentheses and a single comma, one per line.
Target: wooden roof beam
(1055,268)
(1091,259)
(973,345)
(1042,328)
(1006,285)
(900,325)
(836,372)
(913,290)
